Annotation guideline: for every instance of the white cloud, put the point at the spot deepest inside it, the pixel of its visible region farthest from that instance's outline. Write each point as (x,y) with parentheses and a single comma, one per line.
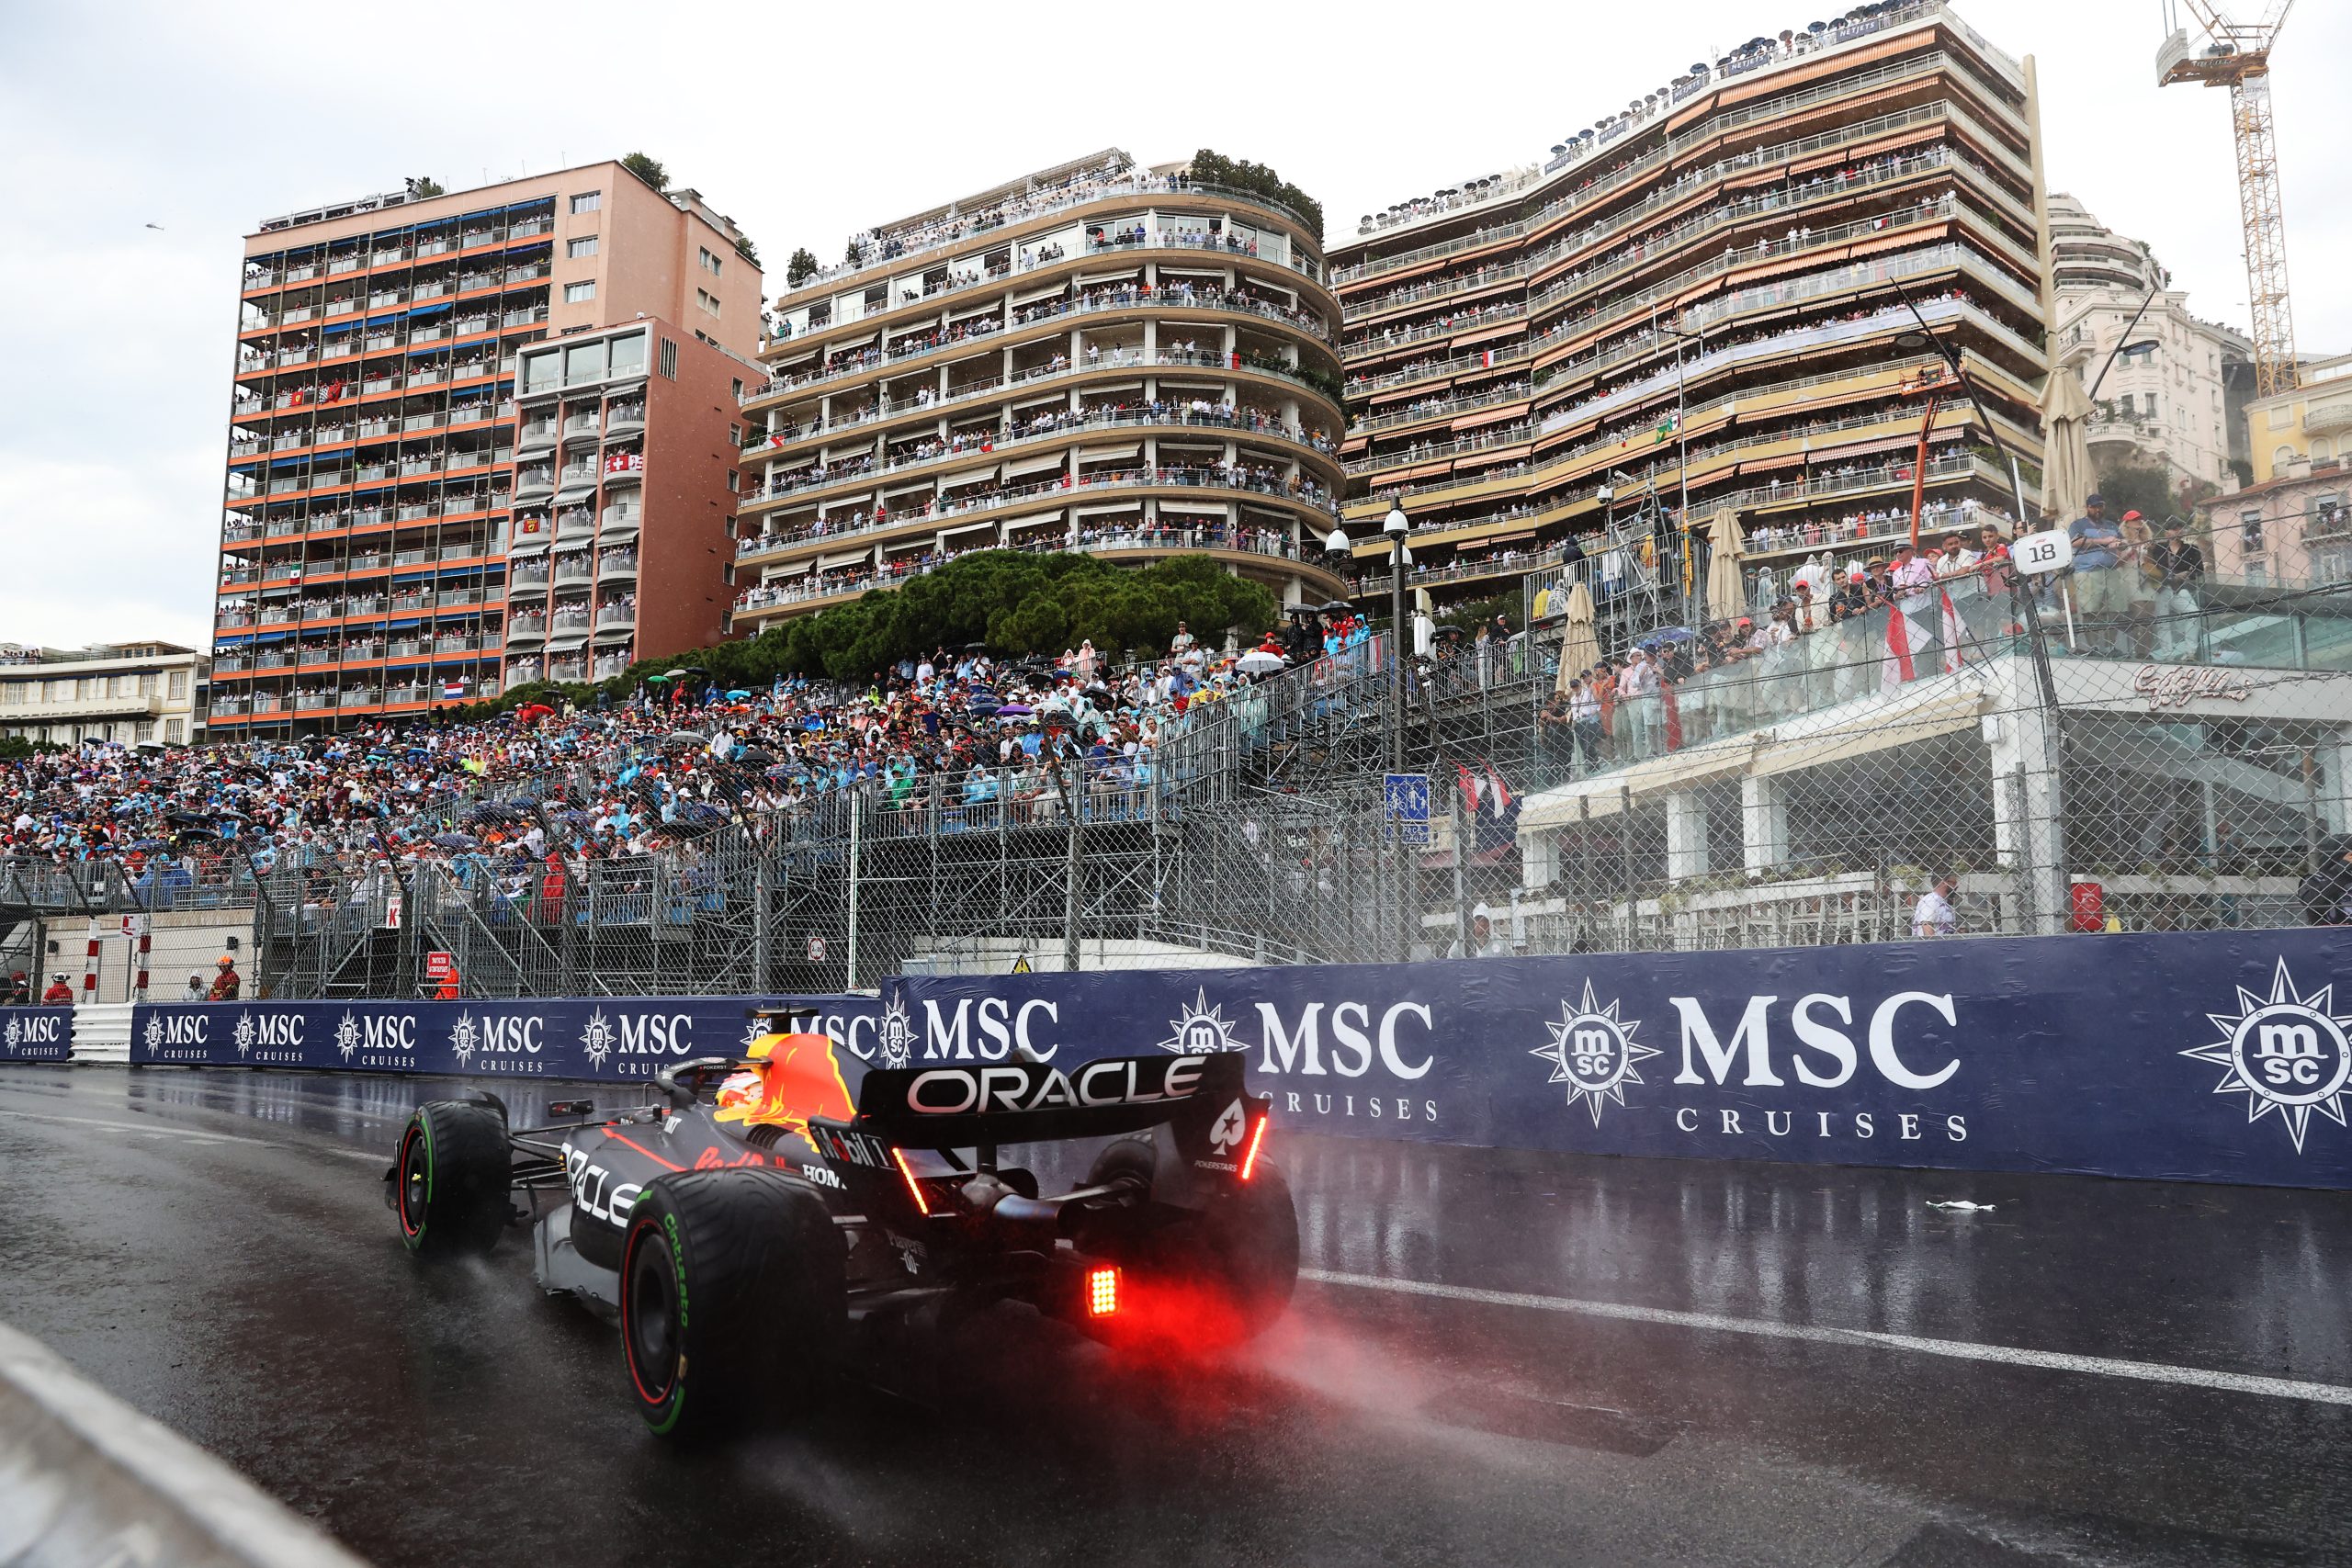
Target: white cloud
(806,125)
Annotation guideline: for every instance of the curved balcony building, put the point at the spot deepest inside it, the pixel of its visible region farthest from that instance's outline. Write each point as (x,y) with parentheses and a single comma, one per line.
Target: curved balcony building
(1097,357)
(1700,301)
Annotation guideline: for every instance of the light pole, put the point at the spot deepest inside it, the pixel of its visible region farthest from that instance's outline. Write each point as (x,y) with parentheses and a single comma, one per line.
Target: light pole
(1338,548)
(1681,439)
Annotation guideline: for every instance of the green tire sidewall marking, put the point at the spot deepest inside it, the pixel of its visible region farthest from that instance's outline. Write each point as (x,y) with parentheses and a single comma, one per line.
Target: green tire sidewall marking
(678,1273)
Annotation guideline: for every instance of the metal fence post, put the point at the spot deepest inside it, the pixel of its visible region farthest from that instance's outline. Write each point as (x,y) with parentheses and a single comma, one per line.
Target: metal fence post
(856,818)
(763,921)
(1071,874)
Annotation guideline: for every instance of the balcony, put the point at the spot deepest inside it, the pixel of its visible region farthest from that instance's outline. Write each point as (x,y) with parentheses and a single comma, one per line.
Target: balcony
(622,518)
(624,468)
(578,523)
(580,424)
(615,615)
(617,563)
(623,418)
(527,581)
(535,434)
(609,665)
(578,474)
(525,628)
(533,482)
(573,570)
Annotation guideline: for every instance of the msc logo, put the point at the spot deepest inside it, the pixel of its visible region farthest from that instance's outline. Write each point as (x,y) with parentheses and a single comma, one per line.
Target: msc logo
(1200,1029)
(898,1035)
(597,1039)
(346,1035)
(2287,1054)
(1592,1051)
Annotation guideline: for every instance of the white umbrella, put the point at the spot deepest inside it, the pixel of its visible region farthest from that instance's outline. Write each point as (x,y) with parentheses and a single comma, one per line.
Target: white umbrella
(2065,448)
(1257,662)
(1727,595)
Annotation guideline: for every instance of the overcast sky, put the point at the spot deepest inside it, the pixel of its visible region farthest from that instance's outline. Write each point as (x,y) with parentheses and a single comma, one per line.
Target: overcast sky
(806,122)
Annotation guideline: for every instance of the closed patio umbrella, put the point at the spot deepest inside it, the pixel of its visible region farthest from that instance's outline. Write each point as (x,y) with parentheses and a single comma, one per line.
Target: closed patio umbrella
(2066,448)
(1726,594)
(1580,649)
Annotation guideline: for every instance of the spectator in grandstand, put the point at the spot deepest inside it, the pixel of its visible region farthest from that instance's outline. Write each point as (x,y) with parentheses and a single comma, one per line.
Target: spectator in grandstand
(196,990)
(1934,915)
(1484,943)
(2179,567)
(19,993)
(2102,589)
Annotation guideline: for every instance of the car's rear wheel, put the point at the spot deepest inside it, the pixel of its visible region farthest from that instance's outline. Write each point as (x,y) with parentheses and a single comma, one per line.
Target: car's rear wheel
(1243,1250)
(733,1294)
(451,1178)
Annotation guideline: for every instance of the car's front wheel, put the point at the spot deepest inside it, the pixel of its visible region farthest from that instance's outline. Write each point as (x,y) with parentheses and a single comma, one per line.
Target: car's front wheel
(733,1294)
(451,1178)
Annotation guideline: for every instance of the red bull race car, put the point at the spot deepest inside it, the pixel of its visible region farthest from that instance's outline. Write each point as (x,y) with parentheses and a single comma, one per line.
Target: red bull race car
(762,1228)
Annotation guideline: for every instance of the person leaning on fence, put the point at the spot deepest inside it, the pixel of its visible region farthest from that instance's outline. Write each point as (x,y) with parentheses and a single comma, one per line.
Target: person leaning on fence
(1484,943)
(2102,588)
(2179,567)
(1934,916)
(196,990)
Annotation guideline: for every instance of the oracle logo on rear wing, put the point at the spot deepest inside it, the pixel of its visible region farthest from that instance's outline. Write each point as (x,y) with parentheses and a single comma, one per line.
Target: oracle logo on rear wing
(1011,1101)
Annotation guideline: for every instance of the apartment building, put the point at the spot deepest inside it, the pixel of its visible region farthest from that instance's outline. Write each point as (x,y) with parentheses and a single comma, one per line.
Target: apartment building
(2173,392)
(2293,530)
(1097,357)
(1705,300)
(126,691)
(2310,424)
(372,446)
(624,500)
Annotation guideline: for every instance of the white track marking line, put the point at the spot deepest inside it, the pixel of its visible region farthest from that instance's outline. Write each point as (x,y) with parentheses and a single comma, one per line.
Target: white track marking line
(193,1136)
(1958,1349)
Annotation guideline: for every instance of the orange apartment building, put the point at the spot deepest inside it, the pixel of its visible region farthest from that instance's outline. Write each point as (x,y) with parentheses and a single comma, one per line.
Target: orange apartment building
(372,490)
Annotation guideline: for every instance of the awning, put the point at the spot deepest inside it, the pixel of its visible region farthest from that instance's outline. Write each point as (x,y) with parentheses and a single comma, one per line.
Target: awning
(1111,454)
(1049,464)
(567,642)
(529,545)
(970,475)
(1484,334)
(1086,279)
(971,310)
(1036,520)
(1922,713)
(615,633)
(1112,506)
(789,569)
(1772,465)
(1035,295)
(841,558)
(945,534)
(1676,771)
(1489,416)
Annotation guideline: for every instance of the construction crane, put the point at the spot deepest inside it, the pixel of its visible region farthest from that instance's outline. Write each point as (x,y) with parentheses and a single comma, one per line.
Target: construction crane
(2237,56)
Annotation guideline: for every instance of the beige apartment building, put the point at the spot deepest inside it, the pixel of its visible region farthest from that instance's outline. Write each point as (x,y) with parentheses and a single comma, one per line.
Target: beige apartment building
(127,692)
(1097,357)
(2171,387)
(2311,424)
(371,487)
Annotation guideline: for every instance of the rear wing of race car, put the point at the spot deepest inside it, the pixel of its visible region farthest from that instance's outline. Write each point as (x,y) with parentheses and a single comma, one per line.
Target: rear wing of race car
(950,1106)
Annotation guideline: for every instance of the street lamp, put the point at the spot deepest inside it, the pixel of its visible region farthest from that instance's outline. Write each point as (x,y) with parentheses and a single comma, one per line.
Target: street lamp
(1395,525)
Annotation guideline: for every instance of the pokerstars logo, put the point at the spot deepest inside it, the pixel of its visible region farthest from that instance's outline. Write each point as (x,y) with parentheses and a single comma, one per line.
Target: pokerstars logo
(465,1038)
(1592,1051)
(348,1035)
(898,1035)
(597,1039)
(2287,1052)
(1200,1027)
(245,1035)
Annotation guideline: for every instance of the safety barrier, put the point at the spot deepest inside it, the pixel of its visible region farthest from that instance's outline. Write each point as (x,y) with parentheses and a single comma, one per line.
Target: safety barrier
(2204,1056)
(36,1034)
(84,1478)
(591,1039)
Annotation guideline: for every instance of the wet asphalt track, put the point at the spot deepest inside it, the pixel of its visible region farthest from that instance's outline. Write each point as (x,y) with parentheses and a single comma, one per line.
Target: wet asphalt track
(213,1248)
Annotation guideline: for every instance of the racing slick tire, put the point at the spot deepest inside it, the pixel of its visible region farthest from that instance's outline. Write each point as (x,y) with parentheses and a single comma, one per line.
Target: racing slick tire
(733,1296)
(451,1178)
(1244,1250)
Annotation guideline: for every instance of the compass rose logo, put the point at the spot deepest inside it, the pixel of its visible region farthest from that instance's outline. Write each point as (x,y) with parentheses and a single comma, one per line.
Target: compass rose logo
(1592,1051)
(1201,1028)
(244,1033)
(2290,1054)
(346,1035)
(597,1039)
(14,1032)
(155,1035)
(465,1038)
(898,1035)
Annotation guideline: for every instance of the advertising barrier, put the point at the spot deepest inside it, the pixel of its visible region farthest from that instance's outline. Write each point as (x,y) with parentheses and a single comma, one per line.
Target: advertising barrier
(2206,1056)
(591,1039)
(36,1034)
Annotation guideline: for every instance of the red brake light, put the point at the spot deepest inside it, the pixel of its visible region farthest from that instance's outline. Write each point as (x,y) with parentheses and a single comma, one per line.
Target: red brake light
(1102,1291)
(1257,1136)
(914,1188)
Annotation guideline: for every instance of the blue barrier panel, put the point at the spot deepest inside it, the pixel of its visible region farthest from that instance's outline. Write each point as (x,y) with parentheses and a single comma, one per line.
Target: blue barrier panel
(2211,1057)
(36,1034)
(599,1037)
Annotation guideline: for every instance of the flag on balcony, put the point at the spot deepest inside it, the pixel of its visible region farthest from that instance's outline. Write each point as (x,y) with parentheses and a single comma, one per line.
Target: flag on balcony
(1896,669)
(1666,427)
(453,689)
(1953,633)
(1486,359)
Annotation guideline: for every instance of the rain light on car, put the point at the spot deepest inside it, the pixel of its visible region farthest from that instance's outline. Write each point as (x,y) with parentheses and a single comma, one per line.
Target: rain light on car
(1257,1136)
(1102,1291)
(914,1188)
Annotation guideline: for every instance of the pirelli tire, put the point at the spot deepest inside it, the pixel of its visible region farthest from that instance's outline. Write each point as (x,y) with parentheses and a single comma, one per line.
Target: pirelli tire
(451,1178)
(1243,1249)
(734,1298)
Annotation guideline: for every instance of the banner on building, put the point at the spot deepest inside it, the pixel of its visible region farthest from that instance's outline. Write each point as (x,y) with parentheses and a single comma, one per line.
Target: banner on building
(595,1039)
(36,1034)
(2208,1056)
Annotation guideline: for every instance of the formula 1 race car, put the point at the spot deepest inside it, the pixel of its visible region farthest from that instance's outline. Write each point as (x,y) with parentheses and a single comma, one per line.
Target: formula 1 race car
(757,1232)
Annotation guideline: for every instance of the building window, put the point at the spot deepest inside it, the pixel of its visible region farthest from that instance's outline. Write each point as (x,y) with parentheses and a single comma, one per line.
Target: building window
(587,201)
(739,389)
(579,293)
(2282,456)
(628,355)
(12,692)
(174,731)
(735,435)
(582,248)
(707,300)
(669,359)
(180,686)
(710,263)
(540,371)
(2250,531)
(730,479)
